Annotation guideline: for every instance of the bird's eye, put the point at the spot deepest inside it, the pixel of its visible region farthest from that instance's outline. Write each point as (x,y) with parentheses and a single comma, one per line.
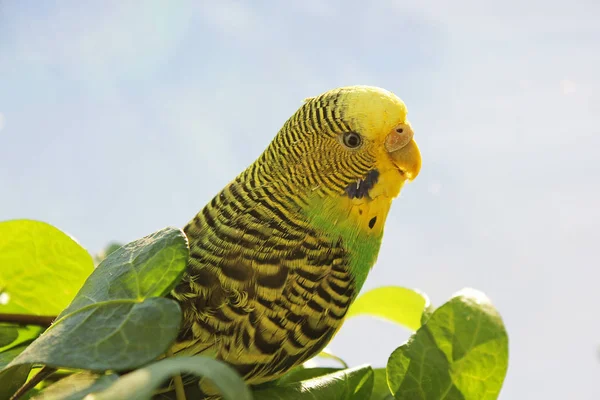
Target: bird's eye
(352,140)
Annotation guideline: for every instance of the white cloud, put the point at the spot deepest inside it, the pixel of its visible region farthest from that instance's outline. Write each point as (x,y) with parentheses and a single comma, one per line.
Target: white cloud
(2,121)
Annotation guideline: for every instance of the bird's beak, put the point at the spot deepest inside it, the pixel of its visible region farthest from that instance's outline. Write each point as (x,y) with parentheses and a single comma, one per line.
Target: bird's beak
(403,150)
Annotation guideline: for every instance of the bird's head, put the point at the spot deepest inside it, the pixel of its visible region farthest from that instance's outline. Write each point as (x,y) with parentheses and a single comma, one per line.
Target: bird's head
(378,133)
(353,142)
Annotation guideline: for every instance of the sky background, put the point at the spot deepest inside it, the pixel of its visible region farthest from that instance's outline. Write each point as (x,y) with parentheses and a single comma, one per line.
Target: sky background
(118,118)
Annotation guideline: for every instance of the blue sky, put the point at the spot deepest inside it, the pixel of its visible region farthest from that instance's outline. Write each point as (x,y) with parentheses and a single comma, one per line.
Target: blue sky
(118,118)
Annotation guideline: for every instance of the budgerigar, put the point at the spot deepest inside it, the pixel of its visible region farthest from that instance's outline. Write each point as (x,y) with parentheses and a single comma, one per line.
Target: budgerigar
(278,256)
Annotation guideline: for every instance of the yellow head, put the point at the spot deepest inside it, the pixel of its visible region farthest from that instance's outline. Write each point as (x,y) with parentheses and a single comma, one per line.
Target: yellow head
(353,141)
(379,118)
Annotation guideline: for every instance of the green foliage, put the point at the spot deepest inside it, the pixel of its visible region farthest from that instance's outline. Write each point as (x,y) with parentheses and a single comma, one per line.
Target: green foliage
(12,379)
(108,319)
(10,354)
(383,302)
(77,386)
(300,373)
(460,353)
(381,390)
(25,334)
(41,268)
(119,320)
(348,384)
(8,334)
(140,384)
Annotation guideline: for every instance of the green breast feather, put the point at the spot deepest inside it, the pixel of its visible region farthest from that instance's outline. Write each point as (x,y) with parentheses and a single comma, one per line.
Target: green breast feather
(362,245)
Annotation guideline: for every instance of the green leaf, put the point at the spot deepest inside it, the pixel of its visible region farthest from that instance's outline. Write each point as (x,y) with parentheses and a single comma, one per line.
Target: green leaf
(397,304)
(140,384)
(17,346)
(354,383)
(116,322)
(8,355)
(25,335)
(301,373)
(325,354)
(41,268)
(8,334)
(76,386)
(460,353)
(12,379)
(147,267)
(381,391)
(108,336)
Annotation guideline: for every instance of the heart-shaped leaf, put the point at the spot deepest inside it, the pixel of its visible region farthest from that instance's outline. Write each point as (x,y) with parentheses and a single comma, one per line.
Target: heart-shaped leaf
(460,353)
(116,321)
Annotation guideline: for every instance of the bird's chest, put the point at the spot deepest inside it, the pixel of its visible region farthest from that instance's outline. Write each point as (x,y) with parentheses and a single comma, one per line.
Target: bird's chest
(286,326)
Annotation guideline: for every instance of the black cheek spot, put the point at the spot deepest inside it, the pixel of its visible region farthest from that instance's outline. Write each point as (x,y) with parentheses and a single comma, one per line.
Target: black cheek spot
(372,222)
(351,190)
(360,189)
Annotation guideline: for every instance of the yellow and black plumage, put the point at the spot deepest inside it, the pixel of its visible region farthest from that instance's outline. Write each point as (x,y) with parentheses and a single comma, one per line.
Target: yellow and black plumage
(280,253)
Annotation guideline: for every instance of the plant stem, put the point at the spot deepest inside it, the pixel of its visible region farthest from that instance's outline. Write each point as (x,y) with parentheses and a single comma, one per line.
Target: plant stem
(178,383)
(30,384)
(28,319)
(179,389)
